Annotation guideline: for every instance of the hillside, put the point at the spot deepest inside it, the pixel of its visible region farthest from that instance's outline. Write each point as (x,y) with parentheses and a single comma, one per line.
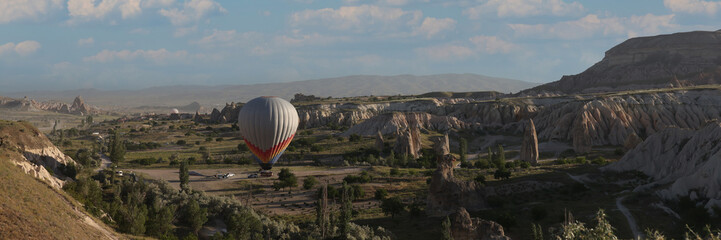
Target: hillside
(31,208)
(673,60)
(214,96)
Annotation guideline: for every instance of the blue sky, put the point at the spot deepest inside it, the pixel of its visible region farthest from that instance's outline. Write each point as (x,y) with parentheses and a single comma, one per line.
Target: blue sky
(132,44)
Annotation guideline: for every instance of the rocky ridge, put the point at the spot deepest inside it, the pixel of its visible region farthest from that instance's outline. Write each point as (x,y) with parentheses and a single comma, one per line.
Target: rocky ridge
(673,60)
(78,107)
(689,160)
(465,227)
(37,152)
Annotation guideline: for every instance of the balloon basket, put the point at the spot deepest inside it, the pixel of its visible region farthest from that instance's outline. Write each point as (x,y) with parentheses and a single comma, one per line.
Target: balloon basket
(266,173)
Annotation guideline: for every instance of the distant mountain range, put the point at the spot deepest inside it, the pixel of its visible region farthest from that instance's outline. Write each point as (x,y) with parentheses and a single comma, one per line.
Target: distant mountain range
(214,96)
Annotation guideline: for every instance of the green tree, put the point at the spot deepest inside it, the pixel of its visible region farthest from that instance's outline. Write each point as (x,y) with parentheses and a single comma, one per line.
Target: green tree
(309,182)
(242,225)
(117,148)
(392,206)
(131,218)
(287,178)
(381,194)
(160,222)
(184,176)
(446,229)
(463,150)
(346,209)
(195,216)
(89,120)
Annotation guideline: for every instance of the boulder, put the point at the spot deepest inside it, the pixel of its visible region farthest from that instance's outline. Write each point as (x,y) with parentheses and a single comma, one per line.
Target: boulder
(464,227)
(529,146)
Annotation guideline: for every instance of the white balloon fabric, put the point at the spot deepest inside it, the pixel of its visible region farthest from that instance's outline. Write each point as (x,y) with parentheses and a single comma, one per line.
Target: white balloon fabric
(267,125)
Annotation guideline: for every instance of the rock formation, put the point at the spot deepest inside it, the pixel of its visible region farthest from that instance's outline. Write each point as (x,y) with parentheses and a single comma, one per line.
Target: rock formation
(446,193)
(441,146)
(396,121)
(229,113)
(648,62)
(631,141)
(689,160)
(465,227)
(409,142)
(379,142)
(529,146)
(38,153)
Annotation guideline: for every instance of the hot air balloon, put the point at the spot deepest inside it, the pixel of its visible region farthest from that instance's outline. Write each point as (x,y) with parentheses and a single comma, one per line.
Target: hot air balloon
(267,125)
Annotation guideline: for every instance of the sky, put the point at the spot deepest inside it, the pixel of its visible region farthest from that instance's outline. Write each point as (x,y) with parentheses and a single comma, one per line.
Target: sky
(134,44)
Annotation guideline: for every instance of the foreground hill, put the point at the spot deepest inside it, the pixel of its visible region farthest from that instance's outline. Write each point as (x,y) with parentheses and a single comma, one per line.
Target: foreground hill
(361,85)
(679,59)
(35,208)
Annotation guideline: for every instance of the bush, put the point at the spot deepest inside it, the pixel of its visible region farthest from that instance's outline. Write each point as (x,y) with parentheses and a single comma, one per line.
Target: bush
(480,179)
(483,164)
(502,174)
(354,138)
(181,142)
(381,194)
(525,164)
(316,148)
(599,160)
(364,177)
(145,161)
(309,182)
(395,172)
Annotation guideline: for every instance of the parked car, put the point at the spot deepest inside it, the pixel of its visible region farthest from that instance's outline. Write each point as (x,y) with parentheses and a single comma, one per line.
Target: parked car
(253,175)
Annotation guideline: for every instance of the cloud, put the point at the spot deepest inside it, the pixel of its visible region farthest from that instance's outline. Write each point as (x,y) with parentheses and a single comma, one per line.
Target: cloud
(85,10)
(475,46)
(182,31)
(192,11)
(524,8)
(361,19)
(297,40)
(592,25)
(160,56)
(693,6)
(11,10)
(432,26)
(14,10)
(23,48)
(86,41)
(492,44)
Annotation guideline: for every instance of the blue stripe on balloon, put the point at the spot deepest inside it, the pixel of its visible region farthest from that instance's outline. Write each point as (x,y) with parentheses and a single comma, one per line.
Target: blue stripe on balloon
(277,156)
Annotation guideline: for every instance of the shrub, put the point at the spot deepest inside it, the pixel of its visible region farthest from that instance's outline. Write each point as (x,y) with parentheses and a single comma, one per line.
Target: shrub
(599,160)
(381,194)
(309,182)
(354,138)
(525,164)
(483,164)
(395,172)
(181,142)
(480,179)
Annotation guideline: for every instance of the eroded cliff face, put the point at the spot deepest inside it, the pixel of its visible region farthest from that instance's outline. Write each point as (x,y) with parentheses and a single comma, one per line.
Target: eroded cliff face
(36,152)
(690,160)
(584,122)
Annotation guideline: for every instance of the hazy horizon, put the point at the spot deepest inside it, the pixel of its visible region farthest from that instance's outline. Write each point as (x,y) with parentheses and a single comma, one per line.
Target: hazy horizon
(113,45)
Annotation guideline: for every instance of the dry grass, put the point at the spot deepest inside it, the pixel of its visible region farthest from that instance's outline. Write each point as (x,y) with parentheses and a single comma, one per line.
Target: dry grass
(30,209)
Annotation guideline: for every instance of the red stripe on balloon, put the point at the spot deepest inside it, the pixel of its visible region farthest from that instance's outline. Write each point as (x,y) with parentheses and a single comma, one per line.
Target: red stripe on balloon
(268,154)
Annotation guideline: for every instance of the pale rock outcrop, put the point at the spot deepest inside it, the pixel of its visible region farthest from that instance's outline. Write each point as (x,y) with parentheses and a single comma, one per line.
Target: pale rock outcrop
(379,142)
(446,193)
(408,142)
(441,145)
(393,122)
(348,114)
(229,113)
(464,227)
(689,160)
(37,152)
(529,146)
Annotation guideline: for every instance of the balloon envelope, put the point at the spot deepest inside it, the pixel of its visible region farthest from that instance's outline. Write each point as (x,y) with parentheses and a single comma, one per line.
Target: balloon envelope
(267,125)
